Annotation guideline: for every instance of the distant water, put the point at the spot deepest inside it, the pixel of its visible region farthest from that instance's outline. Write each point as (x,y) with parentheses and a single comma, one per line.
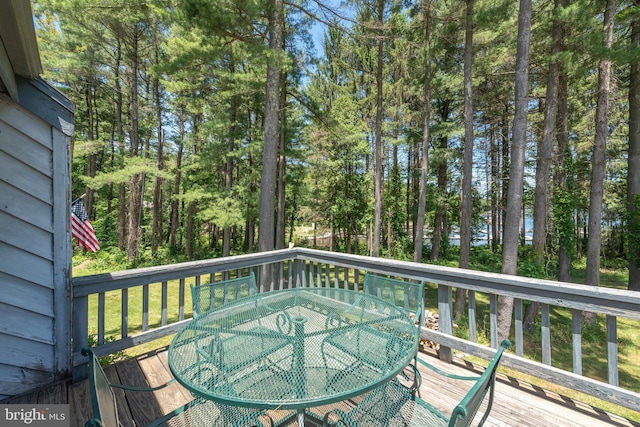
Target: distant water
(480,238)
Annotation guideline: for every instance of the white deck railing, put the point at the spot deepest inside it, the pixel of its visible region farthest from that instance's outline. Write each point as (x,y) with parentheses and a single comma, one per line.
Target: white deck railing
(163,293)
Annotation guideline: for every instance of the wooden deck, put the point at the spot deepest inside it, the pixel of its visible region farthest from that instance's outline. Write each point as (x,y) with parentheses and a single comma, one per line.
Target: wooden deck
(515,403)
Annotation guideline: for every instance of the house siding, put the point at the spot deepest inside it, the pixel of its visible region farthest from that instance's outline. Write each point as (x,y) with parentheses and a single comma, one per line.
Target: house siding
(35,246)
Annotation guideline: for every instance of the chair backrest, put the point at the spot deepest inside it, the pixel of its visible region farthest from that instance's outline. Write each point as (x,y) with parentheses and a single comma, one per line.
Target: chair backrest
(103,401)
(466,410)
(402,293)
(211,295)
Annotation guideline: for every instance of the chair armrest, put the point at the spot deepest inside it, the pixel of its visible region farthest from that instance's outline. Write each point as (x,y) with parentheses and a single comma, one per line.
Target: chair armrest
(447,374)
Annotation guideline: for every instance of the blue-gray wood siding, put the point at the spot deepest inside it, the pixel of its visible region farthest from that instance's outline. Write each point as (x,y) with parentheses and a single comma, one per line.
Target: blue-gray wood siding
(34,250)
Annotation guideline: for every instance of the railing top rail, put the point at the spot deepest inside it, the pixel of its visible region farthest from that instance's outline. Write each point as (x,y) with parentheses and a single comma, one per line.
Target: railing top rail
(616,302)
(86,285)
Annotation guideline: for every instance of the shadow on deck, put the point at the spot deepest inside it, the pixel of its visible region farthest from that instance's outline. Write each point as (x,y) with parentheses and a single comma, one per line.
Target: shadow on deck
(515,403)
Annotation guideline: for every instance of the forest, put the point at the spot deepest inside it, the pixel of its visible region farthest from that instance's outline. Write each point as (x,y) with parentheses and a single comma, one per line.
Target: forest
(386,127)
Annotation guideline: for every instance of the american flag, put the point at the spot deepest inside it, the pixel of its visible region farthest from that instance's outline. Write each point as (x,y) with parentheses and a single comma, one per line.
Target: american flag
(81,227)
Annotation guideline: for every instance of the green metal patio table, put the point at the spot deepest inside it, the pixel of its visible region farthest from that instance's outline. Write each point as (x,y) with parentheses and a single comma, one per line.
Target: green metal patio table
(293,349)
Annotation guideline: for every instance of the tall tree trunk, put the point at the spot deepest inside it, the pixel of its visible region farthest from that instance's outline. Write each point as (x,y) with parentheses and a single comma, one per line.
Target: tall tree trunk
(566,245)
(516,168)
(135,190)
(122,189)
(413,186)
(495,189)
(543,162)
(92,132)
(545,148)
(156,231)
(228,170)
(189,238)
(266,237)
(504,172)
(467,159)
(418,224)
(282,164)
(175,204)
(440,216)
(378,174)
(599,158)
(633,178)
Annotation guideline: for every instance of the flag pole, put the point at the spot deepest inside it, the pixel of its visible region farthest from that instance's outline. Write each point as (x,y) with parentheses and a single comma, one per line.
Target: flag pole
(76,200)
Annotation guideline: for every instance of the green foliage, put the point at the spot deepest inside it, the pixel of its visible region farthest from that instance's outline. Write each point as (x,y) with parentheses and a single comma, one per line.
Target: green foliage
(132,166)
(201,72)
(563,207)
(111,358)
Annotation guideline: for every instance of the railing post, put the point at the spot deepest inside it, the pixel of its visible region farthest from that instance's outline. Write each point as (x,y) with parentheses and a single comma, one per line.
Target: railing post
(473,334)
(576,339)
(612,349)
(493,320)
(519,329)
(101,310)
(296,274)
(310,280)
(445,319)
(181,296)
(80,334)
(546,335)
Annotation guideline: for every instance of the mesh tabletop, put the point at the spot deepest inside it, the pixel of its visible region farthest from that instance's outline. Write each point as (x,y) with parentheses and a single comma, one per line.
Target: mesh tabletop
(294,348)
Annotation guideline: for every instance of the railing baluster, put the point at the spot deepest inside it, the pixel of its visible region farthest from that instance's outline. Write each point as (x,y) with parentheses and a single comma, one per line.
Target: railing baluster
(445,320)
(576,338)
(327,276)
(279,283)
(493,320)
(145,308)
(517,309)
(101,318)
(124,331)
(422,318)
(163,320)
(181,299)
(612,349)
(546,335)
(473,332)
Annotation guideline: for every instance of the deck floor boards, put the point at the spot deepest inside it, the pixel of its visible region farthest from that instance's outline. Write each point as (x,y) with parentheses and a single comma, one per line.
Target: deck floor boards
(515,403)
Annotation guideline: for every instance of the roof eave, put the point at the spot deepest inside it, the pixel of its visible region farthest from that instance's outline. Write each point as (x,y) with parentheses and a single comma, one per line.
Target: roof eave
(18,44)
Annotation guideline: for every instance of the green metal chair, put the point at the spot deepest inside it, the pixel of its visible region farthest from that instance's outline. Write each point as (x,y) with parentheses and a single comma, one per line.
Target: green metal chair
(394,404)
(388,405)
(208,296)
(403,294)
(227,353)
(463,414)
(198,412)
